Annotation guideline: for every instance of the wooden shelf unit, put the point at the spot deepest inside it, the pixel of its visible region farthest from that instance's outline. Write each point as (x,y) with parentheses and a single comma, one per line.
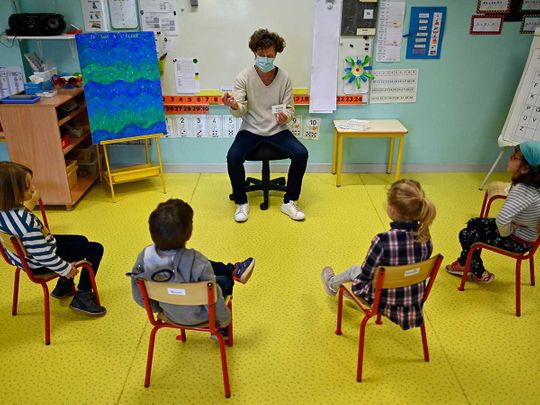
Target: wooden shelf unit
(33,138)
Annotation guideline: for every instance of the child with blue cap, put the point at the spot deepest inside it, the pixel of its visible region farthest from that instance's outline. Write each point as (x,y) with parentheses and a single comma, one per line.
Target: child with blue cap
(515,227)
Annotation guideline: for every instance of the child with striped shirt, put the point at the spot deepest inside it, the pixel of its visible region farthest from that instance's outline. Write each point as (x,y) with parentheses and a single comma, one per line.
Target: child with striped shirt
(515,227)
(46,252)
(408,241)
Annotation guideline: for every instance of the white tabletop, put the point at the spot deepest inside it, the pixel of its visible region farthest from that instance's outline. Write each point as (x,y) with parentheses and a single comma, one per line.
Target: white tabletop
(374,126)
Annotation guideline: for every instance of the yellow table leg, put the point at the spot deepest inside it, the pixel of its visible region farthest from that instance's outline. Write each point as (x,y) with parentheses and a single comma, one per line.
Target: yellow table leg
(160,166)
(100,169)
(390,155)
(334,151)
(109,172)
(146,150)
(398,165)
(339,160)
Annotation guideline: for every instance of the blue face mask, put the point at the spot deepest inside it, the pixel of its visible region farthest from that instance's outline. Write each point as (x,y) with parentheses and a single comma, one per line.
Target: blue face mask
(264,63)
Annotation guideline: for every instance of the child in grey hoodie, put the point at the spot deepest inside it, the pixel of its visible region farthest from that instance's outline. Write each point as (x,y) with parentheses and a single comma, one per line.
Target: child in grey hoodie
(168,260)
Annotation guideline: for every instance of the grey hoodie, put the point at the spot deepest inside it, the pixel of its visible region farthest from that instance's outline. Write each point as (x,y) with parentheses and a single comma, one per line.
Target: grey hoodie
(193,266)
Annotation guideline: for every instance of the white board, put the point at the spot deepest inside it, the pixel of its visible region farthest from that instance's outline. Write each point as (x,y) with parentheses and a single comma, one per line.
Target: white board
(217,34)
(523,120)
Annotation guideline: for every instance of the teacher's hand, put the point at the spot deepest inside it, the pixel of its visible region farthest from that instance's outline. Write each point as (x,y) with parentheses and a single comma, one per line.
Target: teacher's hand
(229,101)
(281,118)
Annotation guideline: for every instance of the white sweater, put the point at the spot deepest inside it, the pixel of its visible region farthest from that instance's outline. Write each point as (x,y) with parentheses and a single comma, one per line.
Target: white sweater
(255,101)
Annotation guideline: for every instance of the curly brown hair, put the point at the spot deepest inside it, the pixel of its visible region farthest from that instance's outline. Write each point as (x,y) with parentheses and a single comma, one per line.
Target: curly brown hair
(262,39)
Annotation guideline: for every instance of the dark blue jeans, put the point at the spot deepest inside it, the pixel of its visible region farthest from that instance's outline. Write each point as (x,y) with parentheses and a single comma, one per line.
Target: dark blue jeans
(283,141)
(73,248)
(224,274)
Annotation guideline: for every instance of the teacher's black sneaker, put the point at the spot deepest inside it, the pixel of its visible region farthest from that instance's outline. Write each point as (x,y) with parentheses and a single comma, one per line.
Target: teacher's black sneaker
(64,288)
(85,302)
(292,210)
(241,213)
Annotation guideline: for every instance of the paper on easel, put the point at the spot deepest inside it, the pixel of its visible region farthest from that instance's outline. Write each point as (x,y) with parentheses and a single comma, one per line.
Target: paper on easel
(229,126)
(186,71)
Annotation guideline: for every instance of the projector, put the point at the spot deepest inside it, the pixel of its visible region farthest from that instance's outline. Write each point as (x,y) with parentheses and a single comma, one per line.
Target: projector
(26,24)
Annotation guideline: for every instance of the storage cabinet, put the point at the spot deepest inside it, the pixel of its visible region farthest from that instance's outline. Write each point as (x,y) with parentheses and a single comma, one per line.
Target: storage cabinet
(34,138)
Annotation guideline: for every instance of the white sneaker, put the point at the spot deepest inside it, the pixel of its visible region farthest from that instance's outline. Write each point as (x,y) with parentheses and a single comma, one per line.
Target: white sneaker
(292,210)
(326,274)
(241,213)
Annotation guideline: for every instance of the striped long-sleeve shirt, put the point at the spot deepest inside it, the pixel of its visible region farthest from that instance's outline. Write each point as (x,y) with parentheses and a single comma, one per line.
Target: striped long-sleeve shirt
(36,239)
(396,247)
(520,214)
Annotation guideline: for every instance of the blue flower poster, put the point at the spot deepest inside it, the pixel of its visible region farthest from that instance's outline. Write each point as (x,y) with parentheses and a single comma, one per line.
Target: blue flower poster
(121,84)
(426,32)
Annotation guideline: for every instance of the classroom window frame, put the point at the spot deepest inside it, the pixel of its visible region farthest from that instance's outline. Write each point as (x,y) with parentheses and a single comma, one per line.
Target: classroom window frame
(472,31)
(506,10)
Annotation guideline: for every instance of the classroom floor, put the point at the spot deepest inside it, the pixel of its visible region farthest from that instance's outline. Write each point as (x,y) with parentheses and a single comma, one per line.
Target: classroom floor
(285,349)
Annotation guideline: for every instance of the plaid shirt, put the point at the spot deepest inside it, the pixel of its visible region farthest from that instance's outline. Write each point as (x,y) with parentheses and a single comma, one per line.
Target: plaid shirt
(395,247)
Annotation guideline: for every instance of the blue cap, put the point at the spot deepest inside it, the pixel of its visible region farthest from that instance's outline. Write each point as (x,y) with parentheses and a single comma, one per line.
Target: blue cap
(531,152)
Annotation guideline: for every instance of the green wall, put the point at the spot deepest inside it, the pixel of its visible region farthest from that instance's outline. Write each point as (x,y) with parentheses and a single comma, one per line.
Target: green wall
(463,98)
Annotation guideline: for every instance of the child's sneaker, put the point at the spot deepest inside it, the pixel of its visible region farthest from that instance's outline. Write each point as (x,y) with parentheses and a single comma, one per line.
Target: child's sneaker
(326,274)
(456,269)
(242,270)
(486,277)
(64,288)
(85,302)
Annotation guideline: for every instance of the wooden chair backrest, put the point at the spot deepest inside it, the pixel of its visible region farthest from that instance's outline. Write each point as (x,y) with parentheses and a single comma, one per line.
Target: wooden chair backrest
(403,276)
(180,293)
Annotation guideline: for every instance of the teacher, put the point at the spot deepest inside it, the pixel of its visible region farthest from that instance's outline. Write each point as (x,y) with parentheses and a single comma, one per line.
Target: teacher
(256,90)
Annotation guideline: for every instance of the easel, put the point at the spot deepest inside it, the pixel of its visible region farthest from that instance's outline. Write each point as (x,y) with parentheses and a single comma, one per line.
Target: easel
(132,173)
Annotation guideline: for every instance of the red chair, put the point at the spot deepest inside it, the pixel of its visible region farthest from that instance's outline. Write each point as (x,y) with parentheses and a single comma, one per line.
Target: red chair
(528,255)
(499,190)
(496,190)
(389,277)
(41,279)
(200,293)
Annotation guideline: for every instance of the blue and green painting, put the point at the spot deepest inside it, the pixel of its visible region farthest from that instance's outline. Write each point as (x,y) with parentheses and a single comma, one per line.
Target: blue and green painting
(121,84)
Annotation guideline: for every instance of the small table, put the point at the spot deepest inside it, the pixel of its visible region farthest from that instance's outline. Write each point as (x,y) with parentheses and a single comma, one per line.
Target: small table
(376,129)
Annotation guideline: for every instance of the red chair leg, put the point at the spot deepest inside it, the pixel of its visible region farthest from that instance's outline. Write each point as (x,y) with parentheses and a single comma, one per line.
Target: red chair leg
(482,211)
(224,364)
(92,281)
(47,314)
(150,356)
(339,311)
(230,327)
(531,265)
(182,335)
(424,341)
(361,348)
(379,319)
(467,268)
(16,292)
(518,288)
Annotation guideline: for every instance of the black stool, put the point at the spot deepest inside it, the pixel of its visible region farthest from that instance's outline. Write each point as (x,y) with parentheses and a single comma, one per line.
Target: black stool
(265,153)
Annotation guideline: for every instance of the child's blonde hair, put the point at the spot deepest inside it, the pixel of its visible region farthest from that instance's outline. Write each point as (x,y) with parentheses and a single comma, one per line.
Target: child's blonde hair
(12,185)
(410,203)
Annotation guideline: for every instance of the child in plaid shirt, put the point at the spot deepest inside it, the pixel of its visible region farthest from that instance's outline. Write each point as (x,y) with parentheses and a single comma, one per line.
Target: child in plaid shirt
(408,241)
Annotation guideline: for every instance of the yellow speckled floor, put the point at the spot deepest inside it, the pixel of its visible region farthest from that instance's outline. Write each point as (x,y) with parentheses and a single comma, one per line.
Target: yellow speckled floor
(285,347)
